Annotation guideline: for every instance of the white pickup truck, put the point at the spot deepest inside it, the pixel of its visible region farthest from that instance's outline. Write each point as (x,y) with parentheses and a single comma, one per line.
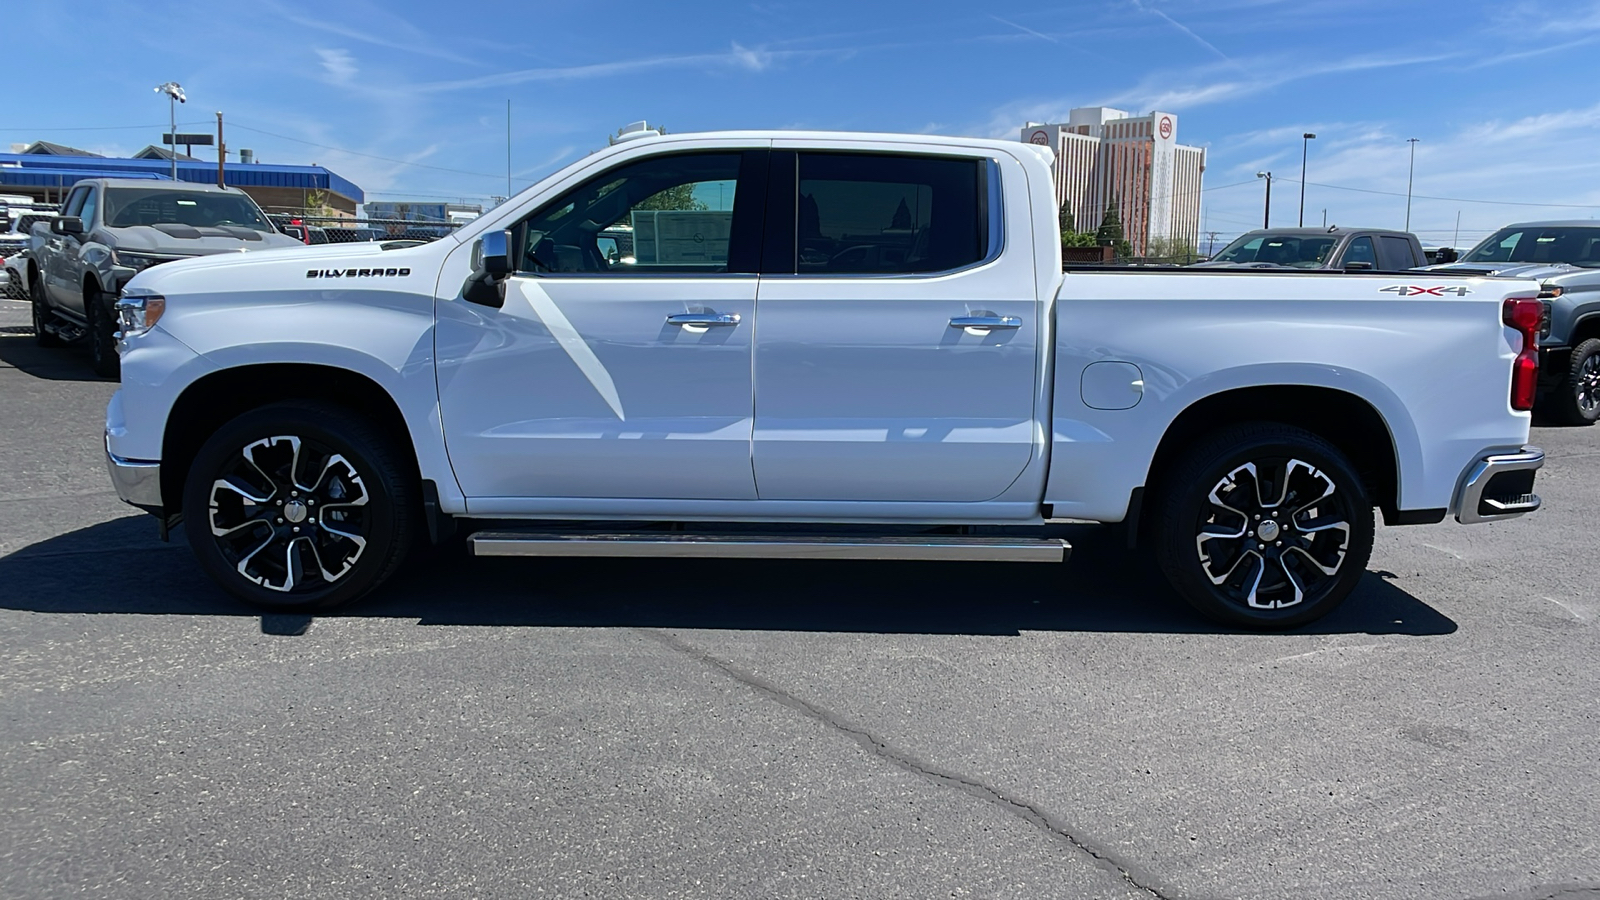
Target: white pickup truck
(823,346)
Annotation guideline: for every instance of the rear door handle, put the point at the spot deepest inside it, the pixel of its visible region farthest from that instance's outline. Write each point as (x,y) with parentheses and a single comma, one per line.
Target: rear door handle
(704,319)
(986,322)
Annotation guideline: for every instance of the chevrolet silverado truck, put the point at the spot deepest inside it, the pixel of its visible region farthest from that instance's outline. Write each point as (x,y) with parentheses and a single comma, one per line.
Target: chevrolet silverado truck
(110,229)
(1343,249)
(822,345)
(1564,257)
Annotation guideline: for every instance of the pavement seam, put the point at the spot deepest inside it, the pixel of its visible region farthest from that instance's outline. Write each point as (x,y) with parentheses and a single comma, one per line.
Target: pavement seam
(878,747)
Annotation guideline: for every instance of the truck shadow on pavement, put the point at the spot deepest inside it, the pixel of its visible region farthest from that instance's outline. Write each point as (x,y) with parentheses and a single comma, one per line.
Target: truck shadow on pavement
(119,567)
(69,363)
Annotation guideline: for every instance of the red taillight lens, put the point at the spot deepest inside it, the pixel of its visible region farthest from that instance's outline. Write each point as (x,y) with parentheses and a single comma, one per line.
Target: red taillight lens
(1523,314)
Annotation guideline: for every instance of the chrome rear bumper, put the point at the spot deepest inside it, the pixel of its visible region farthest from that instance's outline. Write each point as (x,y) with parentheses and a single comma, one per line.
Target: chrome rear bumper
(1499,486)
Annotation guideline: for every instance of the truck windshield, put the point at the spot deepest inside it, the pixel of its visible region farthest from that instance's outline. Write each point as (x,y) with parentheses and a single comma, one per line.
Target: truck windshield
(1299,251)
(127,207)
(1577,245)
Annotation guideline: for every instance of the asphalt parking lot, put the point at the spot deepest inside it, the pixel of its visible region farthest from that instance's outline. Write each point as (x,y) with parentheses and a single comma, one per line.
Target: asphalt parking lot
(589,728)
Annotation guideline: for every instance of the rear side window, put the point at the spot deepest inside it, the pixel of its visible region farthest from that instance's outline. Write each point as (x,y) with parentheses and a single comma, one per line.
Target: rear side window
(1397,252)
(864,214)
(1360,251)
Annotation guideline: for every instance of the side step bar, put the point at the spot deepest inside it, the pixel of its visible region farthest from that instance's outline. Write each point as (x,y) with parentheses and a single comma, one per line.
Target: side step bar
(716,546)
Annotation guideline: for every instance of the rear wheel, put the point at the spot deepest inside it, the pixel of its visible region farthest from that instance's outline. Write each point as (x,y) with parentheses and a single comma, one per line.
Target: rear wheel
(41,315)
(299,505)
(1577,398)
(102,334)
(1264,526)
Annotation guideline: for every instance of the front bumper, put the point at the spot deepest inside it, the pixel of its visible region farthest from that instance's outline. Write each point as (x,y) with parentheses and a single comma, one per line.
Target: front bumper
(1499,486)
(137,481)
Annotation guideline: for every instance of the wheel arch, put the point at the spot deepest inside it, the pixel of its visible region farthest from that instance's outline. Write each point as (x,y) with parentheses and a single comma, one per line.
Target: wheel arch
(1585,327)
(1348,421)
(218,397)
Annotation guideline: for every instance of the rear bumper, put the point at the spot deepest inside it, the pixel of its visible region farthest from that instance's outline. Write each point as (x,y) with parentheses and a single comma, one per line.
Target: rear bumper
(137,481)
(1499,486)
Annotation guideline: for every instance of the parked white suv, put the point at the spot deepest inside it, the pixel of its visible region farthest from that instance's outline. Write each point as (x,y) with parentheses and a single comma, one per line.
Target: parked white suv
(823,345)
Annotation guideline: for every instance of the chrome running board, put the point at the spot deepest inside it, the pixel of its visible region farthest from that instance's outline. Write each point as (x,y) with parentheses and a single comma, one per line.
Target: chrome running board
(741,546)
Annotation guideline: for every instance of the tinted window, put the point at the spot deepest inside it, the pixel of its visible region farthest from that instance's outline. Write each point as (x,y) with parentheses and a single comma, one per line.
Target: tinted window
(1569,244)
(864,214)
(127,207)
(88,210)
(1397,252)
(1360,251)
(1299,251)
(665,214)
(75,201)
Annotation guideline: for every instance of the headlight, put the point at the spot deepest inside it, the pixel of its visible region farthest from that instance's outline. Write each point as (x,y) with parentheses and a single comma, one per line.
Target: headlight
(1549,292)
(138,310)
(138,261)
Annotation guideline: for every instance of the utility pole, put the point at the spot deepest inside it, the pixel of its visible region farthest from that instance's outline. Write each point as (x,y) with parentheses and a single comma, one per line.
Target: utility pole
(1324,218)
(1266,215)
(222,151)
(508,146)
(1409,175)
(1305,141)
(1455,240)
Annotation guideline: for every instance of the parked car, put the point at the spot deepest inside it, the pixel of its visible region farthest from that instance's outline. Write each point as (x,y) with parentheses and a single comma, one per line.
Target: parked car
(17,218)
(109,230)
(1350,249)
(933,385)
(1564,257)
(15,266)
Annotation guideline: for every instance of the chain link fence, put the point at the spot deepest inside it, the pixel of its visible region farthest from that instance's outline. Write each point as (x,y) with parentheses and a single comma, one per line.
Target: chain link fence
(315,229)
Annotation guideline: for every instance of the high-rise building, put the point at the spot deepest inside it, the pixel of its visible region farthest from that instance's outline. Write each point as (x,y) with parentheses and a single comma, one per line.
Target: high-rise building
(1108,157)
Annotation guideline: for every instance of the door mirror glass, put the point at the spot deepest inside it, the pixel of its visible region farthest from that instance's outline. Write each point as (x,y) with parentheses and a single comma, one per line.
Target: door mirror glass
(66,225)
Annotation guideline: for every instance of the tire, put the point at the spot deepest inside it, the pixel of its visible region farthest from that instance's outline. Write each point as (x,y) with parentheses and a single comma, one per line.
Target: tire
(253,496)
(41,315)
(1221,537)
(102,335)
(1576,400)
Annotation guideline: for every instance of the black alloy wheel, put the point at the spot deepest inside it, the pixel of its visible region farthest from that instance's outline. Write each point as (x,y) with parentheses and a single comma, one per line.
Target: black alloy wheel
(102,334)
(1264,526)
(1577,399)
(298,505)
(42,315)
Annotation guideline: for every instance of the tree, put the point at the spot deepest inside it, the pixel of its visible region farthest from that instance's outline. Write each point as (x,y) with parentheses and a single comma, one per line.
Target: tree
(1172,250)
(1068,226)
(1078,239)
(680,197)
(1110,231)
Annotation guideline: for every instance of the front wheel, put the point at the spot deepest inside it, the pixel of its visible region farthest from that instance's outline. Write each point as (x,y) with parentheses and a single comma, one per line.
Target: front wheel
(1577,398)
(102,335)
(299,505)
(1263,526)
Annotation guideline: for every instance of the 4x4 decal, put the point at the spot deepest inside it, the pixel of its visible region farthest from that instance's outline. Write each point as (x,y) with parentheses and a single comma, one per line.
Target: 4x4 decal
(1408,290)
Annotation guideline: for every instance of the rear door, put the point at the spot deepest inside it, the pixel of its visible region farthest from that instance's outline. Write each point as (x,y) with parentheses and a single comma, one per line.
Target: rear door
(896,353)
(1395,253)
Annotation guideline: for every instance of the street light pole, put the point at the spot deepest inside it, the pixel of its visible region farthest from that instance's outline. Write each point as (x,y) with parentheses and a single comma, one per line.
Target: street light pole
(1409,176)
(174,92)
(1266,214)
(1305,142)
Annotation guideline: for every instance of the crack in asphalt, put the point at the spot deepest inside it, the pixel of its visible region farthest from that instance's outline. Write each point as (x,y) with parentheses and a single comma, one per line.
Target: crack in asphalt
(878,747)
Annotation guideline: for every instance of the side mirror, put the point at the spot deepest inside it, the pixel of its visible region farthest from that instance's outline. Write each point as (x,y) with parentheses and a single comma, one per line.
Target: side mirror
(66,225)
(494,253)
(486,286)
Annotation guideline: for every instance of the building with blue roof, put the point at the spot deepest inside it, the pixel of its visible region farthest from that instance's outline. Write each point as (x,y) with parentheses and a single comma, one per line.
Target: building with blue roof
(46,171)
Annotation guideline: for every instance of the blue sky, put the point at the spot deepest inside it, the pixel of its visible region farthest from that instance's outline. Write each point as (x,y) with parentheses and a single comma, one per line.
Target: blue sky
(408,98)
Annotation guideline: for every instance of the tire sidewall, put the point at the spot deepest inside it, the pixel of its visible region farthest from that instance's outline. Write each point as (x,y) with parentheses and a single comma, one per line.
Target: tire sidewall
(1571,412)
(386,508)
(102,340)
(1186,499)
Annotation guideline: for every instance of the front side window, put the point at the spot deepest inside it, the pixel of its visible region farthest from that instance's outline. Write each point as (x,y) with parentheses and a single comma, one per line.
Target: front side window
(88,209)
(1360,251)
(128,207)
(75,201)
(662,215)
(877,214)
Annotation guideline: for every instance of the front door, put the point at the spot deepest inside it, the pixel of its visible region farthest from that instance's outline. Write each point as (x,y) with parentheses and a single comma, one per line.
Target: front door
(619,366)
(61,260)
(896,358)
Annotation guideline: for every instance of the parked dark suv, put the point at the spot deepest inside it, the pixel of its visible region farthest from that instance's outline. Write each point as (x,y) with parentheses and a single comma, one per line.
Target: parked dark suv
(1321,248)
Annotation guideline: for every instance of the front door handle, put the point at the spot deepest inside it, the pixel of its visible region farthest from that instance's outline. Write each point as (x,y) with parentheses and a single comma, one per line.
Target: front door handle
(703,319)
(986,322)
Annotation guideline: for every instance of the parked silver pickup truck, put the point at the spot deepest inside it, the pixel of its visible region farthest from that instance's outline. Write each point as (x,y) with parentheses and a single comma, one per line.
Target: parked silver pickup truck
(109,230)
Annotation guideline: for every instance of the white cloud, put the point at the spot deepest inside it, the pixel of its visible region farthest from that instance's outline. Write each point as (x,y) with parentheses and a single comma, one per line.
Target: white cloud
(339,64)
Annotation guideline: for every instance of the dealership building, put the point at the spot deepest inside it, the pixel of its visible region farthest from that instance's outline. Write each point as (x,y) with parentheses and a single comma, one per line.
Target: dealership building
(1106,156)
(45,171)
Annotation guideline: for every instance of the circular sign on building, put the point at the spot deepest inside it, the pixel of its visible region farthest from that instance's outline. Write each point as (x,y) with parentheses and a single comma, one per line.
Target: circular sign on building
(1166,127)
(1039,137)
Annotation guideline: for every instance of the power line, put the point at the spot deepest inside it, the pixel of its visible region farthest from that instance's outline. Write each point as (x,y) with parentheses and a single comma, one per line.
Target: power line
(1340,187)
(403,162)
(102,127)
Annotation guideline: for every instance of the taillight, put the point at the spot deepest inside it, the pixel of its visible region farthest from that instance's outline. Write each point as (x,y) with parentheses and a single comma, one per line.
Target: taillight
(1523,314)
